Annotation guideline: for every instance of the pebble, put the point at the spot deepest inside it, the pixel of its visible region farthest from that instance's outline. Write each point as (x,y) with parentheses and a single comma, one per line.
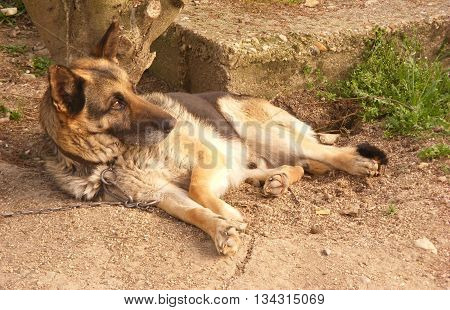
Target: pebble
(9,11)
(364,280)
(42,52)
(371,2)
(29,76)
(425,244)
(314,50)
(351,211)
(312,3)
(255,41)
(13,33)
(323,212)
(4,120)
(423,165)
(315,229)
(39,46)
(443,179)
(154,9)
(320,46)
(283,37)
(328,139)
(326,252)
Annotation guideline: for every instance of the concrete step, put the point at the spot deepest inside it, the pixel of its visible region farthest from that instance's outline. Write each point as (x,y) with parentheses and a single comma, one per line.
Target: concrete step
(263,49)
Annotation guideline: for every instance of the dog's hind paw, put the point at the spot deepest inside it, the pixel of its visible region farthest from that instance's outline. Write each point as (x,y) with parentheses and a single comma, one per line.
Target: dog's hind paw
(370,151)
(227,238)
(276,185)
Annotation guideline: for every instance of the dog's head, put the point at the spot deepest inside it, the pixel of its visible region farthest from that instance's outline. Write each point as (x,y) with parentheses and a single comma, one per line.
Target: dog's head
(96,109)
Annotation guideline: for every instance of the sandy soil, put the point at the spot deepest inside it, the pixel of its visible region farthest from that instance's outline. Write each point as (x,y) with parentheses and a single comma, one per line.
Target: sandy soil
(117,248)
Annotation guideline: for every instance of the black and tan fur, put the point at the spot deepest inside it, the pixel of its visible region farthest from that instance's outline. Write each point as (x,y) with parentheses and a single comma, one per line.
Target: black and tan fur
(183,150)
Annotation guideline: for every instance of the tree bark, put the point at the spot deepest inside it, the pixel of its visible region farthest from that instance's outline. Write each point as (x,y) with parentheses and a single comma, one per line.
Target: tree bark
(71,28)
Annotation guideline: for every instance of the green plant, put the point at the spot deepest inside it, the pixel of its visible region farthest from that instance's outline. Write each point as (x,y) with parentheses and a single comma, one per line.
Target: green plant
(396,83)
(445,169)
(11,20)
(435,151)
(14,115)
(41,64)
(391,210)
(14,50)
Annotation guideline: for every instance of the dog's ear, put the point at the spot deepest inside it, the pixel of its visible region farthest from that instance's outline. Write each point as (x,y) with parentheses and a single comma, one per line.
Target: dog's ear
(108,45)
(66,89)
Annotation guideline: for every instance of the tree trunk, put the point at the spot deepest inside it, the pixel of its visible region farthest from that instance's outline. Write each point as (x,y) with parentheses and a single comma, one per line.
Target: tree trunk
(71,28)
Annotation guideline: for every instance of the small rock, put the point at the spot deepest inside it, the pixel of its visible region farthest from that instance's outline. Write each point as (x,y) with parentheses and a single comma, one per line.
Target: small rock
(39,46)
(423,165)
(314,50)
(29,76)
(323,212)
(255,41)
(27,152)
(438,129)
(371,2)
(154,9)
(13,33)
(315,229)
(364,280)
(265,47)
(425,244)
(9,11)
(443,179)
(351,211)
(4,120)
(312,3)
(42,52)
(328,139)
(320,46)
(327,197)
(326,252)
(283,37)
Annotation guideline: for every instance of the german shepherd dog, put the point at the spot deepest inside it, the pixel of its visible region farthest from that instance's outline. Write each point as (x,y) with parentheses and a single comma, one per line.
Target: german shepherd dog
(181,150)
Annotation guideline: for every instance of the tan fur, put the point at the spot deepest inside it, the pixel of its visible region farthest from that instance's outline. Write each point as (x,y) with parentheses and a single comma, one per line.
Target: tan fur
(186,167)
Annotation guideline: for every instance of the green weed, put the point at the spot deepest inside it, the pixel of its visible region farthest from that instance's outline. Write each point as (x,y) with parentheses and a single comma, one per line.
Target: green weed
(391,210)
(41,64)
(396,83)
(14,115)
(435,151)
(14,50)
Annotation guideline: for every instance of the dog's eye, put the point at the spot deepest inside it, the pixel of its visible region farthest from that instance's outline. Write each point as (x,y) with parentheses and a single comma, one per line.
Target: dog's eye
(118,104)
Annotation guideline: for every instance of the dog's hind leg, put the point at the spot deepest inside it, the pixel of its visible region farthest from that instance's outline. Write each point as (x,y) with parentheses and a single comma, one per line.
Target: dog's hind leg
(282,139)
(276,180)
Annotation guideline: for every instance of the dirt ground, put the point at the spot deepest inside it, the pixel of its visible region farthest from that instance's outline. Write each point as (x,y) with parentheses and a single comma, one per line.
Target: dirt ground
(284,247)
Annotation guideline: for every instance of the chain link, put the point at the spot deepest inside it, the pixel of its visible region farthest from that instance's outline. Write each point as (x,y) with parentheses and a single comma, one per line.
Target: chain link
(144,206)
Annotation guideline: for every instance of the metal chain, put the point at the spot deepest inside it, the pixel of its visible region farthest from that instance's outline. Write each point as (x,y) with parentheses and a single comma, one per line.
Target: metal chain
(144,206)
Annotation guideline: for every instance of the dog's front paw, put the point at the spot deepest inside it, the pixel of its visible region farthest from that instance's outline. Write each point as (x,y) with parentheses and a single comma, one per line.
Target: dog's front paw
(276,185)
(227,238)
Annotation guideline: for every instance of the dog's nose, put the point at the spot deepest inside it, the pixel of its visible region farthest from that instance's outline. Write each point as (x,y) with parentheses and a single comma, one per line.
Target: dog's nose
(167,125)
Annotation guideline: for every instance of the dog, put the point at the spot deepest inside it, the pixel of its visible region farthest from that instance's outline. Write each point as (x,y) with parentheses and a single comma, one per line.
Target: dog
(181,150)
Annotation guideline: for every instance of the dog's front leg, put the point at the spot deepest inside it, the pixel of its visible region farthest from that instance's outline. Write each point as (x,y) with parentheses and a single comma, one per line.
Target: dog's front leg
(224,232)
